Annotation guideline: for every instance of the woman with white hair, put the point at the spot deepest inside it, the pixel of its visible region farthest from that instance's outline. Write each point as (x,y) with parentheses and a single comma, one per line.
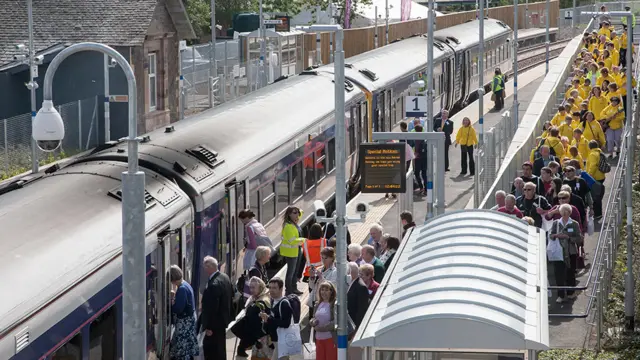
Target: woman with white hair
(354,252)
(562,251)
(250,329)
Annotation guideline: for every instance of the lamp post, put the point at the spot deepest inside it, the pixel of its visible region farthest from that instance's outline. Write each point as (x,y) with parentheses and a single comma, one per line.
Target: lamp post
(133,206)
(515,66)
(28,57)
(213,72)
(546,37)
(340,218)
(476,174)
(429,123)
(263,49)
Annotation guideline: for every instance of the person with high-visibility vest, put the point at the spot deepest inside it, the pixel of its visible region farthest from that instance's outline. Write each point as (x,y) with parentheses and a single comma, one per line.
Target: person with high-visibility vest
(290,247)
(312,247)
(497,87)
(633,18)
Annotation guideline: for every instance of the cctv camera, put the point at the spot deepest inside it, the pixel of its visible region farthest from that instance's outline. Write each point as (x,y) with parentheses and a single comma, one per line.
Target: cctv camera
(19,57)
(112,62)
(21,47)
(319,209)
(38,60)
(48,128)
(31,85)
(362,208)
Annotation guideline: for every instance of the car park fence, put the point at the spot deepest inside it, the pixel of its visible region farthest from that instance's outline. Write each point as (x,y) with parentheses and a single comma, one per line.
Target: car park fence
(81,133)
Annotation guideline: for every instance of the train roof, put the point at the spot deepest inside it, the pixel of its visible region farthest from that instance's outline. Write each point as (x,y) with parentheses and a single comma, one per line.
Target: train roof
(239,132)
(67,226)
(468,33)
(390,63)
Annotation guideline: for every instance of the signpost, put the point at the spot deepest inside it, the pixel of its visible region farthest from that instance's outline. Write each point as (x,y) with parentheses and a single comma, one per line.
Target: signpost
(383,168)
(568,14)
(415,106)
(273,22)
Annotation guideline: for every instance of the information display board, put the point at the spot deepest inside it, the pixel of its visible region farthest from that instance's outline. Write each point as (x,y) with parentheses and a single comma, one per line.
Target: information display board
(383,168)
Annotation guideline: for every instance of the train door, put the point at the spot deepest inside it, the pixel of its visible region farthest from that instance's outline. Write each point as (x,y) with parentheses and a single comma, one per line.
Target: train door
(159,316)
(235,202)
(451,82)
(363,120)
(468,72)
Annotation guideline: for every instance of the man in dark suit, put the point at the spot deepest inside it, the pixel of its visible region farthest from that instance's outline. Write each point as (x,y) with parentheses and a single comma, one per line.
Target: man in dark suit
(357,296)
(545,158)
(216,311)
(442,123)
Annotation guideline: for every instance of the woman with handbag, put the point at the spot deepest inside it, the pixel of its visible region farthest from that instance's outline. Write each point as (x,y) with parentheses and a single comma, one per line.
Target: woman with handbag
(562,251)
(250,329)
(323,322)
(184,342)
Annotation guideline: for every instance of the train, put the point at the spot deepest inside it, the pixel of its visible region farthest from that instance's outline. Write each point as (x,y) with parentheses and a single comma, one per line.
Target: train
(266,151)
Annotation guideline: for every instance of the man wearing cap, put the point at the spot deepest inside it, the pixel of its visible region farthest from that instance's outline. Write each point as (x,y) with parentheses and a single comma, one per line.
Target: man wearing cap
(633,18)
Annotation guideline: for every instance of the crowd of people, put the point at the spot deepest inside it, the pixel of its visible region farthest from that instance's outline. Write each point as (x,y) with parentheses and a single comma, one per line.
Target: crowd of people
(561,187)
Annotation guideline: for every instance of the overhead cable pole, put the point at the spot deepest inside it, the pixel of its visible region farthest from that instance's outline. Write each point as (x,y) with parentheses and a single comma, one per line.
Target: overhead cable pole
(429,122)
(32,86)
(212,54)
(481,70)
(514,114)
(263,50)
(546,37)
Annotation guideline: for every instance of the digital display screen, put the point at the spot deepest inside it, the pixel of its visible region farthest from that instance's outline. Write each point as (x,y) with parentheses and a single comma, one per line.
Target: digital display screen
(383,168)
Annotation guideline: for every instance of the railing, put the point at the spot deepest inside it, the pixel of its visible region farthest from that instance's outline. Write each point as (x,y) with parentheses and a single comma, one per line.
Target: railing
(492,153)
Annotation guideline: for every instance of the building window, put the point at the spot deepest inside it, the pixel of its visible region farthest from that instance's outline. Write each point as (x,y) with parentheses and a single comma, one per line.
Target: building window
(153,90)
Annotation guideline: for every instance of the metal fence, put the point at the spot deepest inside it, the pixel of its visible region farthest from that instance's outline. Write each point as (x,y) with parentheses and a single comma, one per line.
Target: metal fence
(580,19)
(492,153)
(81,133)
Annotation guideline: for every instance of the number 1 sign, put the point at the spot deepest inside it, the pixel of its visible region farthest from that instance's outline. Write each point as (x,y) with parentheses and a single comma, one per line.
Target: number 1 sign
(415,106)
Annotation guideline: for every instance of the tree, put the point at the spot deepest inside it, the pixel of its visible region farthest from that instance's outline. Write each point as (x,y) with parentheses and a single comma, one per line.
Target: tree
(200,13)
(340,6)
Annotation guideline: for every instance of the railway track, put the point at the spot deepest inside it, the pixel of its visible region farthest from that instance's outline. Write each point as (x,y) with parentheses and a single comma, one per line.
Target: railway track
(533,56)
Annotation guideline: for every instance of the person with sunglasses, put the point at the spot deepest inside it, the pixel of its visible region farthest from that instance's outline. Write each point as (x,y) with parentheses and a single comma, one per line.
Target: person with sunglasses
(532,204)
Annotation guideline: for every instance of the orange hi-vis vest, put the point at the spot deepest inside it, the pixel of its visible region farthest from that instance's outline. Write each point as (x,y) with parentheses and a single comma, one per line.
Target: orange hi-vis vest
(312,250)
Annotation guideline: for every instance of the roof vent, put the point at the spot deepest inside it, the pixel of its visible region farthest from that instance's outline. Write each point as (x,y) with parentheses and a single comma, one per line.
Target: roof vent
(283,77)
(148,199)
(179,168)
(205,155)
(169,129)
(22,339)
(451,38)
(501,23)
(52,169)
(309,72)
(438,45)
(145,139)
(348,85)
(369,74)
(350,66)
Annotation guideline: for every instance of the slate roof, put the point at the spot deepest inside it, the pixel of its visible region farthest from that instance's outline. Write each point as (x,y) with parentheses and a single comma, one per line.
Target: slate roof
(111,22)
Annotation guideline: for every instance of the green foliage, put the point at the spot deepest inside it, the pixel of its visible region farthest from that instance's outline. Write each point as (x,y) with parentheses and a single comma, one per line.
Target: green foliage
(20,159)
(356,7)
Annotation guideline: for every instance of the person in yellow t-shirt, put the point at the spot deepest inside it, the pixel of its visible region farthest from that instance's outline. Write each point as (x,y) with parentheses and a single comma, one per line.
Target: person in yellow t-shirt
(565,129)
(575,94)
(592,130)
(586,88)
(615,40)
(575,154)
(467,139)
(606,59)
(558,118)
(545,129)
(604,31)
(576,86)
(597,102)
(604,75)
(581,143)
(571,106)
(613,91)
(575,117)
(553,141)
(615,55)
(613,116)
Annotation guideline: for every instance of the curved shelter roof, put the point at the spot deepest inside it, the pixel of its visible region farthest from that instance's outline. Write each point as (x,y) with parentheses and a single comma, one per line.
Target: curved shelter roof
(469,280)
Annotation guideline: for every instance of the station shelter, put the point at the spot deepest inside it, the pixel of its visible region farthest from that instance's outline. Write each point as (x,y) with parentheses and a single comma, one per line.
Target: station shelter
(284,52)
(467,285)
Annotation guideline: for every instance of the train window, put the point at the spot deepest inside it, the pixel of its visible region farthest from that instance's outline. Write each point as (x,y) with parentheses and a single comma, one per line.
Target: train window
(268,196)
(321,158)
(282,190)
(102,336)
(70,351)
(253,204)
(331,155)
(175,250)
(296,181)
(364,123)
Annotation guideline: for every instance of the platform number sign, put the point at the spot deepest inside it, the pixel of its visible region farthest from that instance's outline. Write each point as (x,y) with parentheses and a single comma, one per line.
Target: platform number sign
(568,14)
(415,106)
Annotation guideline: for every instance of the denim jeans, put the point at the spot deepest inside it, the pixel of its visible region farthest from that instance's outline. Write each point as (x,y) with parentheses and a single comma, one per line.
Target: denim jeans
(291,280)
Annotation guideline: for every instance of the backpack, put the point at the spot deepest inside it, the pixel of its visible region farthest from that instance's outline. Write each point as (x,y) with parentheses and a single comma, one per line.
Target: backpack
(294,302)
(603,165)
(242,279)
(537,154)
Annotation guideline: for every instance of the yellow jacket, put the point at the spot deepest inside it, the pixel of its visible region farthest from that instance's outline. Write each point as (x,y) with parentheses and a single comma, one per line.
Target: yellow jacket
(614,93)
(605,31)
(579,158)
(603,78)
(467,136)
(593,131)
(622,85)
(618,116)
(615,55)
(623,41)
(583,147)
(291,240)
(580,92)
(566,130)
(592,164)
(586,90)
(556,144)
(597,104)
(558,118)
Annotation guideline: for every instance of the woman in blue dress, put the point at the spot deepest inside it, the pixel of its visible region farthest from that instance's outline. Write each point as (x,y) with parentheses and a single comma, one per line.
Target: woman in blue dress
(184,343)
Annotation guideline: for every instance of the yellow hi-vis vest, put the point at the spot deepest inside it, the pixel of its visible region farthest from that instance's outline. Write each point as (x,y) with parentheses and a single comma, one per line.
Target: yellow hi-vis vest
(291,240)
